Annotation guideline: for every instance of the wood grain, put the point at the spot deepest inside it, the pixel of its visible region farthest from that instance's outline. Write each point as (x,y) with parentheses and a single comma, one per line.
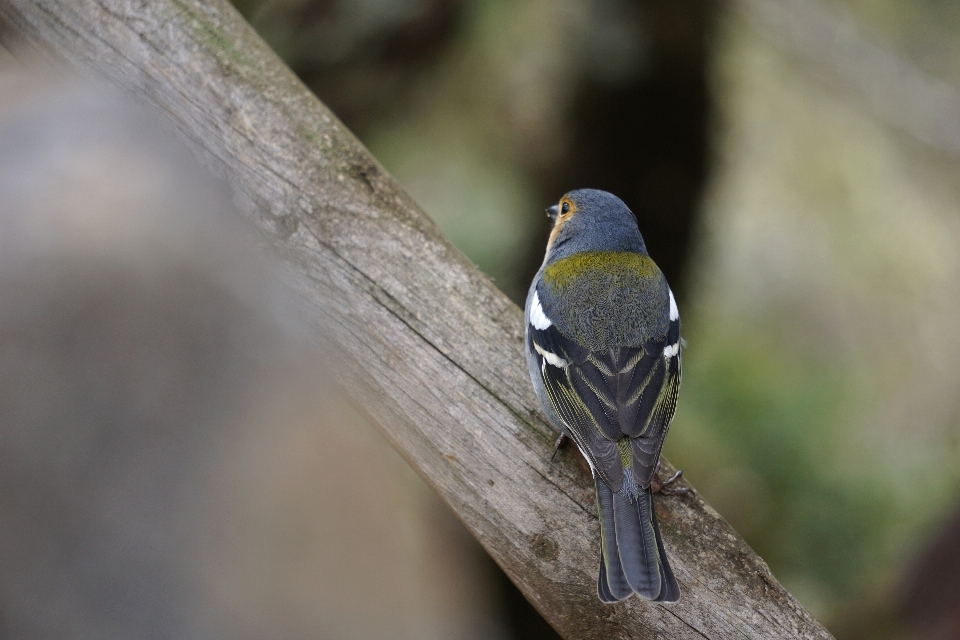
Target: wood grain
(429,346)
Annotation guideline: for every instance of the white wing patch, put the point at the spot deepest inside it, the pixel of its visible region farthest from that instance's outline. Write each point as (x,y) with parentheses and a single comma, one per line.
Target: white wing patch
(672,350)
(551,358)
(538,318)
(674,312)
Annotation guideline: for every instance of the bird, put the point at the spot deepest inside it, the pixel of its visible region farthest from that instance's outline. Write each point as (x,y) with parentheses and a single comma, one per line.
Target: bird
(603,348)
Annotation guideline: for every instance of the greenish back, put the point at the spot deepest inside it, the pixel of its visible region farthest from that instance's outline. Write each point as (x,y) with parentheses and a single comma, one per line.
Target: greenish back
(605,299)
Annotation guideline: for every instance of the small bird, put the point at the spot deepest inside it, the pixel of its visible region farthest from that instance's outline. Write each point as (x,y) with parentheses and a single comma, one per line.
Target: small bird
(603,347)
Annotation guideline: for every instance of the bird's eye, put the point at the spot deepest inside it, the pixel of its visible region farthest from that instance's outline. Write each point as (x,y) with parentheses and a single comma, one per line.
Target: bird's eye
(565,208)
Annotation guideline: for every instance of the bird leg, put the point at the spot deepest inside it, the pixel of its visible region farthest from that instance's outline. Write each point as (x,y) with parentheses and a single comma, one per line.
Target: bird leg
(666,486)
(562,440)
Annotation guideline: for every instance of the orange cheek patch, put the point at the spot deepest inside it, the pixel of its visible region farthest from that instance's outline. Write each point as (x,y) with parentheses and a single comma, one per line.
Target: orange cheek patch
(562,219)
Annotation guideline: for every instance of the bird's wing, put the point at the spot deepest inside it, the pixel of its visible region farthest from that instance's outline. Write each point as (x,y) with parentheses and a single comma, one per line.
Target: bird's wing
(560,361)
(603,396)
(655,387)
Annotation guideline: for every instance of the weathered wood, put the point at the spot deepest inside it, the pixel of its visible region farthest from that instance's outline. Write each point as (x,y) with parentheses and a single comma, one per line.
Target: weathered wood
(432,349)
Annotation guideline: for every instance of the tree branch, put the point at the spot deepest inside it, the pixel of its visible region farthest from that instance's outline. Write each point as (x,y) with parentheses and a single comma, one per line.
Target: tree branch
(433,350)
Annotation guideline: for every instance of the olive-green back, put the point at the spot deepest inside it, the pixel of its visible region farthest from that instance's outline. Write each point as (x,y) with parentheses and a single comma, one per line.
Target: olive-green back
(605,300)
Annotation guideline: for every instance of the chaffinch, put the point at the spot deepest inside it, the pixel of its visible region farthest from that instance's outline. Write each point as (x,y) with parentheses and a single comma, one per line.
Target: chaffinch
(603,347)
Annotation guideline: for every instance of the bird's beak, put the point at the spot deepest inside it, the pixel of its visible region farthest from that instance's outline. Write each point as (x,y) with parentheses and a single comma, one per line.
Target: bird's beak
(552,212)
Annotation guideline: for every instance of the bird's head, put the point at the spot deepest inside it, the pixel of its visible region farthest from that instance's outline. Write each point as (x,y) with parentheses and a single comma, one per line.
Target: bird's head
(592,220)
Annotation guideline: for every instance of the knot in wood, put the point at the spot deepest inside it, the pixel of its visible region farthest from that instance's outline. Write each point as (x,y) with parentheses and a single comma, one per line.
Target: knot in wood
(544,547)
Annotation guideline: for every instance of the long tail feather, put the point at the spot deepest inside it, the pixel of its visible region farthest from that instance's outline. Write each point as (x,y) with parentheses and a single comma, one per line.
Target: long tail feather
(612,586)
(633,558)
(637,543)
(603,585)
(669,590)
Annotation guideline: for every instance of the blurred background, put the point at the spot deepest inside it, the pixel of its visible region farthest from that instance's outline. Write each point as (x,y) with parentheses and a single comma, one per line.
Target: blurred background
(795,170)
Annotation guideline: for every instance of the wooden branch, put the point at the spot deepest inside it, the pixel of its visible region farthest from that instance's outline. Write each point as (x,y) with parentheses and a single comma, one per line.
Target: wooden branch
(432,349)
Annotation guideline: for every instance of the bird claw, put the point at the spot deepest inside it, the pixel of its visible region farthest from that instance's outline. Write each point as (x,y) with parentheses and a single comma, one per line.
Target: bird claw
(666,486)
(562,440)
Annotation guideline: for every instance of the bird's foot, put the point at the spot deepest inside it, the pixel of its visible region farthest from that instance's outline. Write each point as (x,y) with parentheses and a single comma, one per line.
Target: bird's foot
(666,486)
(562,440)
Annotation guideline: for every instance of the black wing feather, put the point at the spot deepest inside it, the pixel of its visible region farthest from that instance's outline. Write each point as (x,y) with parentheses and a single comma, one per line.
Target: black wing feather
(594,389)
(603,396)
(585,423)
(647,447)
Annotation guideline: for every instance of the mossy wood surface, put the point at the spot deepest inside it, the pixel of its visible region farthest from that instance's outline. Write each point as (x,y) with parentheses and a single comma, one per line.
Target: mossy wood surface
(430,347)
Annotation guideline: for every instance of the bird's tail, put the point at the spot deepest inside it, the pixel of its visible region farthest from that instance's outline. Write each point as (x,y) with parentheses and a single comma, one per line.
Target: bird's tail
(632,558)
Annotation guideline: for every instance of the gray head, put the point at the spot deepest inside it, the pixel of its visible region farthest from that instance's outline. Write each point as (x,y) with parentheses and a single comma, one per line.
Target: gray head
(592,220)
